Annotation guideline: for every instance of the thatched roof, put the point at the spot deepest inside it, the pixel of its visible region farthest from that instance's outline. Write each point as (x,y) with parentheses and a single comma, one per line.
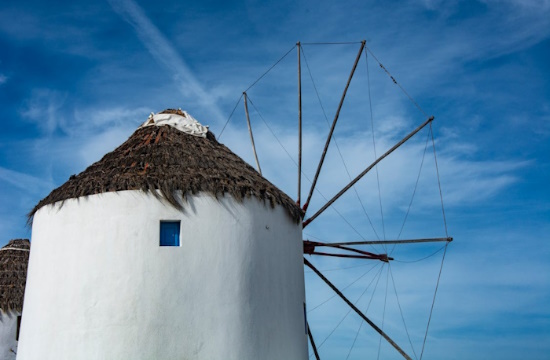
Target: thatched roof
(14,258)
(177,164)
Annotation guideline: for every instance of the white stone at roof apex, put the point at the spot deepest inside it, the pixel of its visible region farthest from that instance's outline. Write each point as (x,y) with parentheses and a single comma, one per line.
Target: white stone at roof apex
(186,123)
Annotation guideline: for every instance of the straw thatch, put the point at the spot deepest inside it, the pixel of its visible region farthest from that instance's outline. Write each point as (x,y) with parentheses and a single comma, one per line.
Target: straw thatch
(14,258)
(177,164)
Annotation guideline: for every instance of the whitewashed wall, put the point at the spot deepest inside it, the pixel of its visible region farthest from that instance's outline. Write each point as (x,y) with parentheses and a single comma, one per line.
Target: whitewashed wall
(100,287)
(8,331)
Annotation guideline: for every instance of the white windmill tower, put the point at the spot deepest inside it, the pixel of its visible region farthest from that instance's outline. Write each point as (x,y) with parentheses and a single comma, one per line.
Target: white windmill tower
(169,247)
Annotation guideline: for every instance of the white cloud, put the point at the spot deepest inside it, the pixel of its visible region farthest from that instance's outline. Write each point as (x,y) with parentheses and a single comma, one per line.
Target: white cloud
(3,79)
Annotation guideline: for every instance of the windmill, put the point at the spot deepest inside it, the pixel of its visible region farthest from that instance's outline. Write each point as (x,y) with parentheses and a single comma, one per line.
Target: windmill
(172,246)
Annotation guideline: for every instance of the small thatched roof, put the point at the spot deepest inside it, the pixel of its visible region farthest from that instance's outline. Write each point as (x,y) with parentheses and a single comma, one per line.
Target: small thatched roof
(166,159)
(14,258)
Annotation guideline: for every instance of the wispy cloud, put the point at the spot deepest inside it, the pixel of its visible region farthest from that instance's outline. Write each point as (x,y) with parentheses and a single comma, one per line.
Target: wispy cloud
(3,79)
(98,120)
(468,36)
(23,181)
(42,108)
(88,132)
(165,54)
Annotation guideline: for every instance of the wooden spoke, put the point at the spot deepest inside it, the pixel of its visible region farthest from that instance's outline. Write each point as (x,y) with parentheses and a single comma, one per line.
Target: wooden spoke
(333,126)
(312,342)
(299,125)
(385,242)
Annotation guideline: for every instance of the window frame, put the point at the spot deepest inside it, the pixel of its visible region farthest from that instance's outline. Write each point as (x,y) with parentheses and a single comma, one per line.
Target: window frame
(165,226)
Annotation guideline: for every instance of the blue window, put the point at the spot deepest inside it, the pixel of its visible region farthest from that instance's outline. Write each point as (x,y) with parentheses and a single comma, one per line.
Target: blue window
(169,233)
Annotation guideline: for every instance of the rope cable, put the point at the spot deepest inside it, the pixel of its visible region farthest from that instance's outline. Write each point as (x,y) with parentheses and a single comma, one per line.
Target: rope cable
(338,269)
(344,288)
(315,237)
(362,321)
(414,192)
(355,339)
(374,149)
(433,301)
(375,286)
(377,276)
(329,138)
(439,181)
(254,83)
(383,312)
(333,330)
(444,251)
(395,82)
(332,43)
(268,70)
(230,115)
(401,311)
(421,259)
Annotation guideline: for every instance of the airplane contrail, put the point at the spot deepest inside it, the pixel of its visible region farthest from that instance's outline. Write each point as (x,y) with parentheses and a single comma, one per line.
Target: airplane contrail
(164,53)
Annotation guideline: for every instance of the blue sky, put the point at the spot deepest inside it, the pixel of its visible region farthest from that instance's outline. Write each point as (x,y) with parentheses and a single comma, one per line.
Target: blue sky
(77,78)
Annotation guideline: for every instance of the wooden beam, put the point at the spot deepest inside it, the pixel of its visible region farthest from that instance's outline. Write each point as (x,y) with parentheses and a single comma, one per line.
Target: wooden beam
(299,125)
(376,242)
(250,132)
(333,126)
(312,342)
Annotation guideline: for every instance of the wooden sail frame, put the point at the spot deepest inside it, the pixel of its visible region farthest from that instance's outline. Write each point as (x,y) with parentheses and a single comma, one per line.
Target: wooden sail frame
(343,246)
